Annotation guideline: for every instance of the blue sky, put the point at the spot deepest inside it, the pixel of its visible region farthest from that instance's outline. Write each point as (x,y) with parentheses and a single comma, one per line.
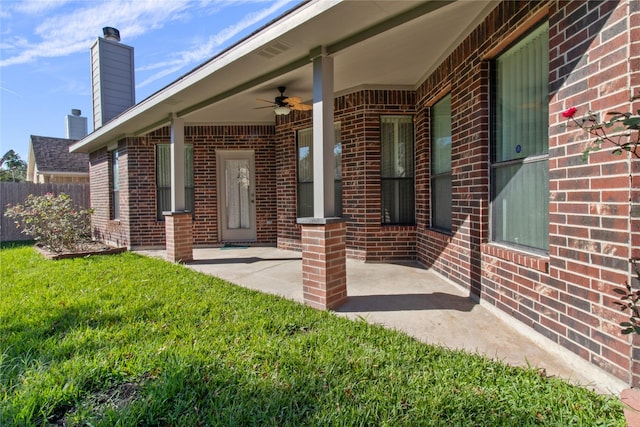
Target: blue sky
(44,52)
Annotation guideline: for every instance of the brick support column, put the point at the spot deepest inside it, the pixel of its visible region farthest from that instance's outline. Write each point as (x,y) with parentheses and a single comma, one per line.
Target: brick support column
(179,236)
(324,270)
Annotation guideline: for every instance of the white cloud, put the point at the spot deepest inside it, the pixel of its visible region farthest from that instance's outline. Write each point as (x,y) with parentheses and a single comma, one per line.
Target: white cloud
(13,43)
(65,27)
(67,31)
(202,51)
(34,7)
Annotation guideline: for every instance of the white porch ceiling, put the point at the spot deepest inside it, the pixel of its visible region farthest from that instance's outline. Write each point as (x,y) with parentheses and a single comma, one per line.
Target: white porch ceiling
(384,44)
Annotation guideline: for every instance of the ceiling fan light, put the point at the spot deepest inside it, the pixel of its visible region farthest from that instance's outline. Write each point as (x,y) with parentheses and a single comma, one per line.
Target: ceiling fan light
(282,111)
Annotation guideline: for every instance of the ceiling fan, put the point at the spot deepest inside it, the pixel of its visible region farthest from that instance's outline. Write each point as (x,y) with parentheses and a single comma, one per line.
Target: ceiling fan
(282,104)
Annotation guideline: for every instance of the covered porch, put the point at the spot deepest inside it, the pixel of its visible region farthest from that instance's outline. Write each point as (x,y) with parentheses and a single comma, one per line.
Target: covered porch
(409,298)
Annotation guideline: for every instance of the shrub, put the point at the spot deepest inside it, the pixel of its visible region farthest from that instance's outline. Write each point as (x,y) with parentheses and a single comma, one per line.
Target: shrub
(620,130)
(53,221)
(630,300)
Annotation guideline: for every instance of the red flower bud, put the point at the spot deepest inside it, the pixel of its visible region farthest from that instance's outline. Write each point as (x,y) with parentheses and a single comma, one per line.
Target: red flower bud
(569,113)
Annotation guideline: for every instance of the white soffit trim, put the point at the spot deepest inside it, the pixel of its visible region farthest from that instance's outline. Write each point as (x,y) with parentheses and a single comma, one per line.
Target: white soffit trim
(254,43)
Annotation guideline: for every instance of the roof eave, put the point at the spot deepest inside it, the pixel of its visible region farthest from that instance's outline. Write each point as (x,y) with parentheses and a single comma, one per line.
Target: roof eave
(110,131)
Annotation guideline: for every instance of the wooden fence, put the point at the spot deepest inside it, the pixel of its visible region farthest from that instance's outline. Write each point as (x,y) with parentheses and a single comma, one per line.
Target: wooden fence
(17,192)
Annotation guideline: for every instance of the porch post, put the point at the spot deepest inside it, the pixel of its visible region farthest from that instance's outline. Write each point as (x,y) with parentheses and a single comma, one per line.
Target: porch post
(178,227)
(324,168)
(177,164)
(179,236)
(324,268)
(324,273)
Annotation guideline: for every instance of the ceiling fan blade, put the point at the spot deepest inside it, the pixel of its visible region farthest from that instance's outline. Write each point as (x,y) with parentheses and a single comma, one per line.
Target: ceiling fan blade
(301,107)
(293,100)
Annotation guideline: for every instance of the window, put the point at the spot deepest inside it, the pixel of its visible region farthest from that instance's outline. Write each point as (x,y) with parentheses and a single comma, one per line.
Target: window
(115,181)
(305,172)
(396,167)
(163,179)
(519,168)
(441,164)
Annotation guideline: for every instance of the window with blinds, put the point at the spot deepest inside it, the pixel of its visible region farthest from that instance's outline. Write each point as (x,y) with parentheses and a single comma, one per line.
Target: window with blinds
(115,184)
(305,172)
(441,164)
(519,168)
(163,179)
(396,170)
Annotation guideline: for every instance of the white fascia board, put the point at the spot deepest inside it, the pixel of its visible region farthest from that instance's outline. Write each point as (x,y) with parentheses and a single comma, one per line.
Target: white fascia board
(257,42)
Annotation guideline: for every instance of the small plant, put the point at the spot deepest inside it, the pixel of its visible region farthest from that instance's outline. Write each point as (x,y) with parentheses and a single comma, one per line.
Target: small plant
(629,301)
(53,221)
(621,130)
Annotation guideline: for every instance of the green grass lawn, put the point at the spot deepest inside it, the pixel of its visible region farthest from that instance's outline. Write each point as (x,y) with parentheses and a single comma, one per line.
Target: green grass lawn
(133,341)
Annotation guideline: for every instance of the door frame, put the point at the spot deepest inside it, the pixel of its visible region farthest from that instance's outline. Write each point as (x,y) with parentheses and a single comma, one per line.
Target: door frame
(221,157)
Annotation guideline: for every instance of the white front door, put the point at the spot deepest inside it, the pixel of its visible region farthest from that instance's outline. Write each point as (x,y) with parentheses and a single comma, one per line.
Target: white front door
(236,193)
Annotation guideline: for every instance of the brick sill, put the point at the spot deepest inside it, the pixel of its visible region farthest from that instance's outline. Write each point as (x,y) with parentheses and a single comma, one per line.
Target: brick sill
(398,227)
(438,234)
(535,262)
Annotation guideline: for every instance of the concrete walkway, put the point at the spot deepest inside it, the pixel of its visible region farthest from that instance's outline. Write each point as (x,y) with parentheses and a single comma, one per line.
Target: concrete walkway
(412,299)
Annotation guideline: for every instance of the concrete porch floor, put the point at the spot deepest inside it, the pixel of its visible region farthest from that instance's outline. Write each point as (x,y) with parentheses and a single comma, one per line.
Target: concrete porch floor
(409,298)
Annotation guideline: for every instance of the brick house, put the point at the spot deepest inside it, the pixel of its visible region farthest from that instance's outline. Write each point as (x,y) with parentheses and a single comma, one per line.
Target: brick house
(436,135)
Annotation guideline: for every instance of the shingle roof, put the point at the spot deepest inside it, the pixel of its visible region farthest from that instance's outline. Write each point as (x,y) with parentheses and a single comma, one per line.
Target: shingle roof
(52,155)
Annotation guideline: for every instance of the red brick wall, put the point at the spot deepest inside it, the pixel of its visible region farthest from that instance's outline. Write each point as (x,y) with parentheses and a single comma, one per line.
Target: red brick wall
(324,268)
(137,183)
(103,227)
(590,219)
(146,231)
(457,254)
(359,116)
(99,192)
(288,236)
(566,296)
(179,242)
(206,140)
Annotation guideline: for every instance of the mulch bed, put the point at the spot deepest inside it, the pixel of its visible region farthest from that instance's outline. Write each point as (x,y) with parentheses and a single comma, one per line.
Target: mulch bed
(87,249)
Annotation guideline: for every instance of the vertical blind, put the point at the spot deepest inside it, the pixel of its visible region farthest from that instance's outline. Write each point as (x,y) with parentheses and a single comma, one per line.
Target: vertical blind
(163,179)
(522,77)
(115,166)
(441,164)
(520,177)
(305,172)
(396,170)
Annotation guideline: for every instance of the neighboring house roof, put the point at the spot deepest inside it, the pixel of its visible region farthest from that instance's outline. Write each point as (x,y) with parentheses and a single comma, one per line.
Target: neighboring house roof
(51,155)
(374,44)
